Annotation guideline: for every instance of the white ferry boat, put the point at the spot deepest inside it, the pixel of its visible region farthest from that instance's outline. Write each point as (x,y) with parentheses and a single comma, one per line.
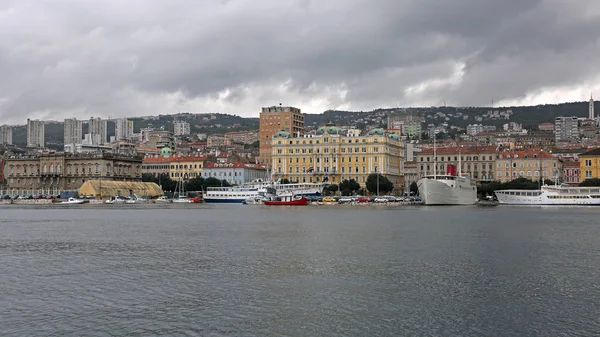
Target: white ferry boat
(447,190)
(240,194)
(551,195)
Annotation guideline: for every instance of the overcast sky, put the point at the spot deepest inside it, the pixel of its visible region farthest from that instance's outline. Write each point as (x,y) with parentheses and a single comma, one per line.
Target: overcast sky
(82,58)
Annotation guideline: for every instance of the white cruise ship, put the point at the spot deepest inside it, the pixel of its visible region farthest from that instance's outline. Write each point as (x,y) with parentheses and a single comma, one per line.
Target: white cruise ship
(240,194)
(551,195)
(447,190)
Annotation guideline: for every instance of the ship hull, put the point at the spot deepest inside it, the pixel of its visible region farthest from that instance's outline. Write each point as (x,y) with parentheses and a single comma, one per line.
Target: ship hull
(457,192)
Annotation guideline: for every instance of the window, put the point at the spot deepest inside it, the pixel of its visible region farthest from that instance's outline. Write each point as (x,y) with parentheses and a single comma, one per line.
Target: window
(588,163)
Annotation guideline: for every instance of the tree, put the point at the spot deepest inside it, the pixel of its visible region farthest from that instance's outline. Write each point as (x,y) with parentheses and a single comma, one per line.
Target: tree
(285,181)
(385,185)
(590,182)
(349,187)
(225,183)
(331,189)
(252,145)
(212,182)
(414,189)
(196,184)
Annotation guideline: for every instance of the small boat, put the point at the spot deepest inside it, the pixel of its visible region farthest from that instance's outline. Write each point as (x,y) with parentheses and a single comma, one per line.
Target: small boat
(488,201)
(254,201)
(73,201)
(182,200)
(181,195)
(286,199)
(134,199)
(162,199)
(115,200)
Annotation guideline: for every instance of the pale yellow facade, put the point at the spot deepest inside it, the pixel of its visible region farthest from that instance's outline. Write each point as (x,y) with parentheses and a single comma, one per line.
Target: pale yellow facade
(332,157)
(186,167)
(533,164)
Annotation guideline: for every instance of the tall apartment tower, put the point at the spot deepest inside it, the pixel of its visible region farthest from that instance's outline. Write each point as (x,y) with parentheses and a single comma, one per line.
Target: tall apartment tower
(591,108)
(6,134)
(566,129)
(35,133)
(274,119)
(123,129)
(97,131)
(181,128)
(73,131)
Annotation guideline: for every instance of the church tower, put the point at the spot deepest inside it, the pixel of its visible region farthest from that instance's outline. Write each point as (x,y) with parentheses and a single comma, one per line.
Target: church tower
(591,116)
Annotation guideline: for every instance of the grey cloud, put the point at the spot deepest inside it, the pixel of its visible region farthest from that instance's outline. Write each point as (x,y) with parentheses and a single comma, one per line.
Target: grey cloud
(69,57)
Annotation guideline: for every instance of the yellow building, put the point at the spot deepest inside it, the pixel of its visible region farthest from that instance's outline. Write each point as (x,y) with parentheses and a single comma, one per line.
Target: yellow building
(533,164)
(186,167)
(589,165)
(330,156)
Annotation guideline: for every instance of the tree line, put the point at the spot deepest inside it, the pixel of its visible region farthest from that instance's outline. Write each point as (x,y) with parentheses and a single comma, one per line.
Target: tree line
(195,184)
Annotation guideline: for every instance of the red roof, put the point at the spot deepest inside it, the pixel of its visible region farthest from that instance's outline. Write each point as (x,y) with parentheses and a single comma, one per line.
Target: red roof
(465,150)
(173,159)
(531,153)
(233,165)
(187,158)
(159,159)
(571,163)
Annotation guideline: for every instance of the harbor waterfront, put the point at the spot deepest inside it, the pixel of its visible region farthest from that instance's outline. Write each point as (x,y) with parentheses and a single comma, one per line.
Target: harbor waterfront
(234,270)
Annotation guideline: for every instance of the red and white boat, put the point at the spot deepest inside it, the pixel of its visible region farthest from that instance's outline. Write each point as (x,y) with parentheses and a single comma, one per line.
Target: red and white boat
(286,200)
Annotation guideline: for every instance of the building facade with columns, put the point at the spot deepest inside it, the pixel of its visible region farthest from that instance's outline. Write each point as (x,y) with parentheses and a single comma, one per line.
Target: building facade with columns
(331,156)
(68,171)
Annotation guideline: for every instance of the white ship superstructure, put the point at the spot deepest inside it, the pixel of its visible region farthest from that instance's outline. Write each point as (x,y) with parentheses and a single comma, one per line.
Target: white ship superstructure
(447,190)
(240,194)
(551,195)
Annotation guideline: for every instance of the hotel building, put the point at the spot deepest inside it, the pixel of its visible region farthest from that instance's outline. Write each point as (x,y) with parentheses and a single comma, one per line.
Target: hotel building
(330,156)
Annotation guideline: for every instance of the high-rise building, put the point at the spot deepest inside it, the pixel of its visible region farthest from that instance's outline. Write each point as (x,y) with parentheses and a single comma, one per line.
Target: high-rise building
(35,133)
(6,134)
(591,108)
(181,128)
(566,129)
(123,129)
(73,131)
(96,131)
(274,119)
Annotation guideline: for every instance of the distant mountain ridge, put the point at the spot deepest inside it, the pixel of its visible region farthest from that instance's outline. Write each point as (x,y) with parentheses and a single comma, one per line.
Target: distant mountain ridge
(211,123)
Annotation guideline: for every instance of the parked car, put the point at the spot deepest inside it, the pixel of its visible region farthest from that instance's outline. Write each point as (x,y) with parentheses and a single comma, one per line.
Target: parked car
(49,197)
(345,200)
(363,199)
(6,196)
(329,199)
(381,199)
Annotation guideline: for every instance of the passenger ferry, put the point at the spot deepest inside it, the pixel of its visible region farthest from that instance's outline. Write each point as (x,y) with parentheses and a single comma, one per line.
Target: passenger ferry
(551,195)
(242,193)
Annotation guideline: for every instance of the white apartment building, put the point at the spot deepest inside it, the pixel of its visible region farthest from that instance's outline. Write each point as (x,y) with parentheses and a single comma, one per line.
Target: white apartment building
(35,133)
(181,128)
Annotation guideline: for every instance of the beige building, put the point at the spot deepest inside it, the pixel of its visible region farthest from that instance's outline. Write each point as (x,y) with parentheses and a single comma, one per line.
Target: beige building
(477,162)
(274,119)
(330,156)
(68,171)
(531,164)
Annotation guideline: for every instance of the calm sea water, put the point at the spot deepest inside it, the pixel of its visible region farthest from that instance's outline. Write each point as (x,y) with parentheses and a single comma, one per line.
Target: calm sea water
(234,270)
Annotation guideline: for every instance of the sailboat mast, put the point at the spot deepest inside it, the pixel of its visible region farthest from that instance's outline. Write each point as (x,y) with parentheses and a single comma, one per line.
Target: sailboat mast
(460,162)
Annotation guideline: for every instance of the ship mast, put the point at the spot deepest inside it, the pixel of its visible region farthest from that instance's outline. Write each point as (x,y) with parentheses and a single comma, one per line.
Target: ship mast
(434,157)
(459,161)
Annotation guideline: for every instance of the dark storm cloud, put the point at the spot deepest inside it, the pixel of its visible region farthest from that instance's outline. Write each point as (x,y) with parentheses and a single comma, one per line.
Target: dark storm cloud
(76,57)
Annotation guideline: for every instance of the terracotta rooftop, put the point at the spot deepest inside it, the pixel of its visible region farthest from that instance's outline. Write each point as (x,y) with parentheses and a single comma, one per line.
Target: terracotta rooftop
(465,150)
(530,153)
